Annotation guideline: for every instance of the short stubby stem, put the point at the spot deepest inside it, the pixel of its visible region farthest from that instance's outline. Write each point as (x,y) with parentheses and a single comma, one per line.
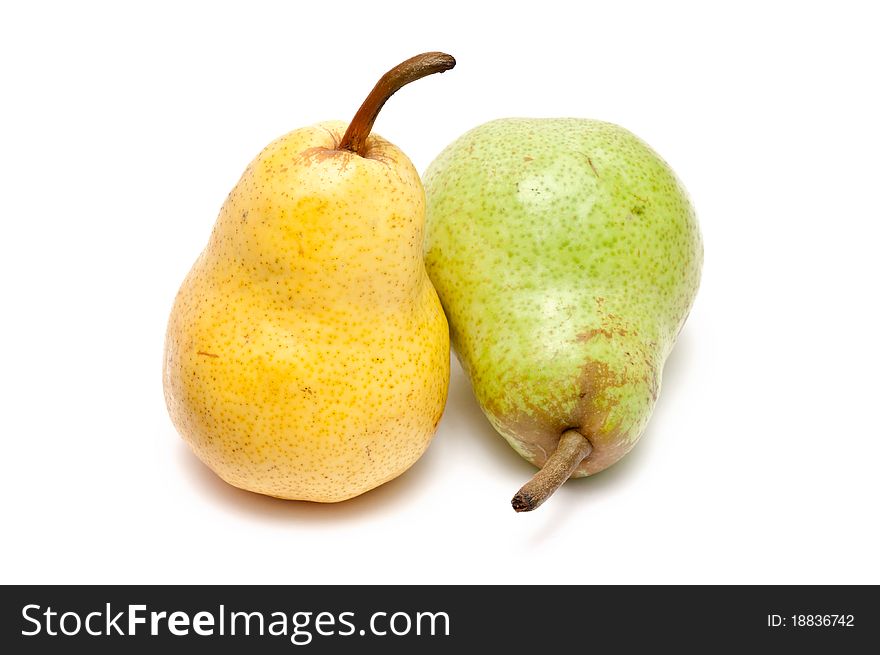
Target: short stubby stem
(415,68)
(573,448)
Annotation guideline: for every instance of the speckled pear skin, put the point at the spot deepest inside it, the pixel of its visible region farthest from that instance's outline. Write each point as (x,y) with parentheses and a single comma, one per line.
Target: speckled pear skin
(307,355)
(567,256)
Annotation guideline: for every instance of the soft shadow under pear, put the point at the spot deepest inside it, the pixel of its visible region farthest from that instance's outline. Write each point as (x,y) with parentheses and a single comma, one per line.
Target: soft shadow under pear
(387,497)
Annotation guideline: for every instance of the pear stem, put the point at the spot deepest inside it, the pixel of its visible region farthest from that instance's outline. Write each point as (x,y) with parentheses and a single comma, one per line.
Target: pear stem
(414,68)
(573,448)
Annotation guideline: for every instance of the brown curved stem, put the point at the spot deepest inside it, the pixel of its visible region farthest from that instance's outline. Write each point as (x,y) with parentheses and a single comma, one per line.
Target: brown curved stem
(573,448)
(415,68)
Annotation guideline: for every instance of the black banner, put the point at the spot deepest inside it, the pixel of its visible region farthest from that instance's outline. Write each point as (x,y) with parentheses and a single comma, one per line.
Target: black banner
(332,619)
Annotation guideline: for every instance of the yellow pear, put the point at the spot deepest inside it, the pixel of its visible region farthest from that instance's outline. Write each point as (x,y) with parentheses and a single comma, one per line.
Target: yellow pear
(307,355)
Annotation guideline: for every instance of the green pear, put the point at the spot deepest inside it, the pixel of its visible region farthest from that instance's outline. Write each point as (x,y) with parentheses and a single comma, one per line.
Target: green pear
(566,255)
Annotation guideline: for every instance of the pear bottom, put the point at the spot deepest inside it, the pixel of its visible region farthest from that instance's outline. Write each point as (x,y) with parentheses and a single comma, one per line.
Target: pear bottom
(302,409)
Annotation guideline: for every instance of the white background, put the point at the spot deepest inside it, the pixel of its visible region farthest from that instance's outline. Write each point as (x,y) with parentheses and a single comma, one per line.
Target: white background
(124,128)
